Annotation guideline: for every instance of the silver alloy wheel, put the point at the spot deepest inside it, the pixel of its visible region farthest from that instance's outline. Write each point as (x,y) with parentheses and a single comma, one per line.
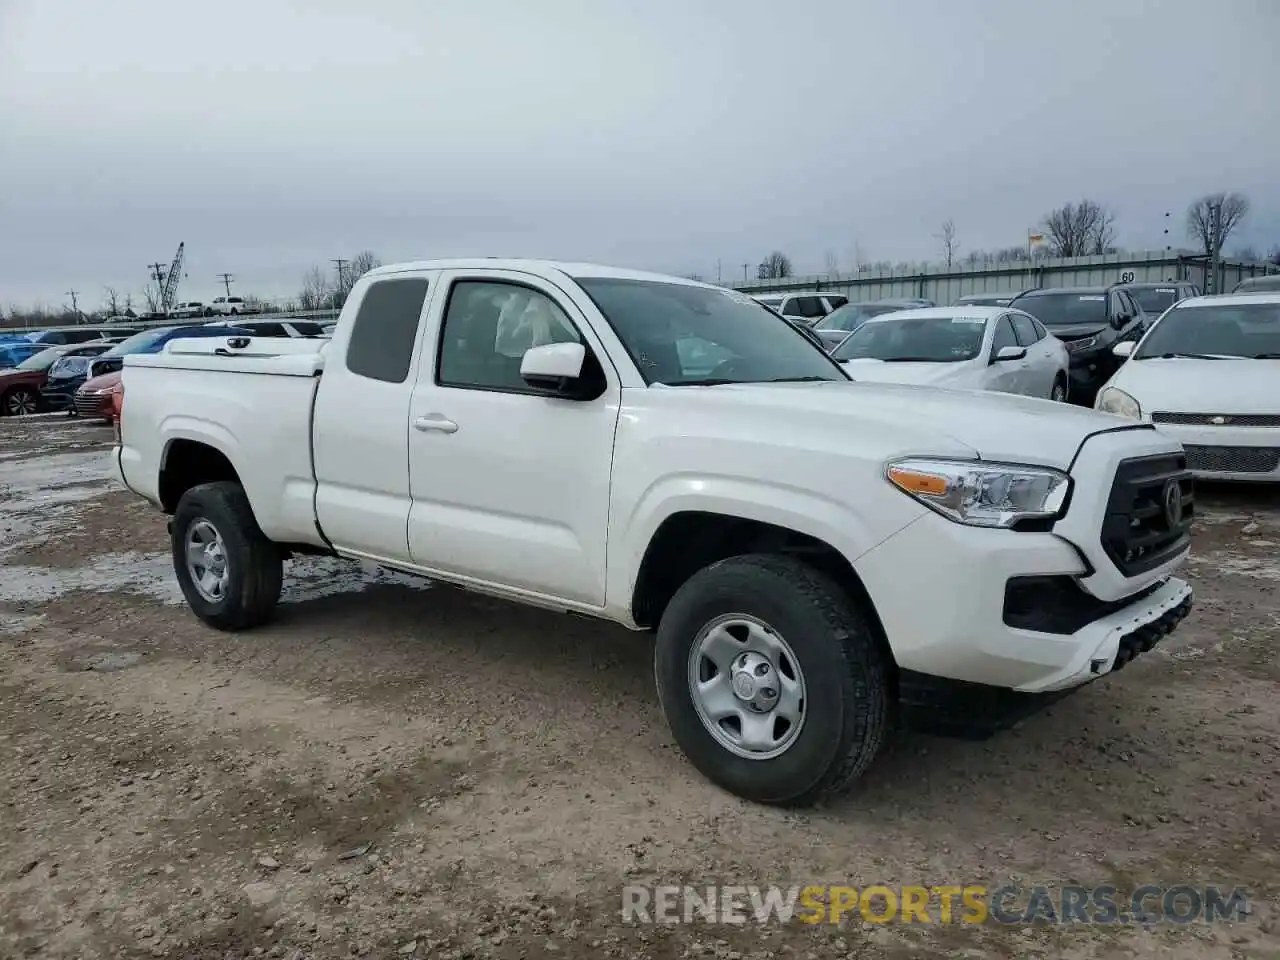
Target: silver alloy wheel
(1059,393)
(21,403)
(207,561)
(746,686)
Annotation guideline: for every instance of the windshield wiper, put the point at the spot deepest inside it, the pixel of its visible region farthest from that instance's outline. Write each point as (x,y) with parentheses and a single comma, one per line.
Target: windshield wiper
(1266,356)
(798,379)
(910,360)
(1185,356)
(708,382)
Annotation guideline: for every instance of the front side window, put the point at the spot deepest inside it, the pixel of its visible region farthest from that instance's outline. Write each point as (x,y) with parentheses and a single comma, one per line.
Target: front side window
(386,325)
(1247,330)
(1004,336)
(947,339)
(1024,329)
(684,335)
(488,327)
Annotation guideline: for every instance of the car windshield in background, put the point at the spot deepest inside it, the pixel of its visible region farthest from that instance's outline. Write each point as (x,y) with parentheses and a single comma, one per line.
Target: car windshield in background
(1066,309)
(774,302)
(1250,330)
(41,361)
(924,339)
(70,367)
(1154,300)
(682,335)
(852,315)
(138,343)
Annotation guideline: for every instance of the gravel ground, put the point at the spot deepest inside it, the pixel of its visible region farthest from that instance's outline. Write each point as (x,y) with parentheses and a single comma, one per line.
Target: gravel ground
(393,769)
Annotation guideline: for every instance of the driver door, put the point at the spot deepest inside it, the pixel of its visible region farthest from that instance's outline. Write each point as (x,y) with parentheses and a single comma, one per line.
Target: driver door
(509,485)
(1005,376)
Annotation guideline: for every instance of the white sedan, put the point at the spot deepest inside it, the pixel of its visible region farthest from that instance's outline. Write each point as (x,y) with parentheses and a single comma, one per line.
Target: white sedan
(963,348)
(1207,373)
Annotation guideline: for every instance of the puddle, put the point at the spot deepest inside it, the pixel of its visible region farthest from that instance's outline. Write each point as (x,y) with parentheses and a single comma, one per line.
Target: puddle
(151,575)
(37,495)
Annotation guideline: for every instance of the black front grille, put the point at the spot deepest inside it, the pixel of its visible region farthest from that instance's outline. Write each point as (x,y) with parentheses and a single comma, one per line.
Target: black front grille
(91,406)
(1149,513)
(1232,459)
(1057,604)
(1218,419)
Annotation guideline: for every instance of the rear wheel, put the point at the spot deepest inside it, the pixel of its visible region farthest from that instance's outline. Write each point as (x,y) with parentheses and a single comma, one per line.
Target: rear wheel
(20,402)
(229,571)
(771,680)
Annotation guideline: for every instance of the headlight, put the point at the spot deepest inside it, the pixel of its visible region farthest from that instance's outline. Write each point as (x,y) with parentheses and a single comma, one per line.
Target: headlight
(1114,400)
(1075,346)
(982,494)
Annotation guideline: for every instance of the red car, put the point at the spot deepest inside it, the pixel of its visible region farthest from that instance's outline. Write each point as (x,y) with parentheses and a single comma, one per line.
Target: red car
(97,398)
(20,387)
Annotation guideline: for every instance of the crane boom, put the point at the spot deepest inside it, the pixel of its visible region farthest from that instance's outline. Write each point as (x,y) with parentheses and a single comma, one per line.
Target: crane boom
(170,293)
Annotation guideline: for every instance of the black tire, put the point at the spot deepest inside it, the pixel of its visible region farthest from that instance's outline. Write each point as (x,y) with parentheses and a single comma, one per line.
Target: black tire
(19,402)
(208,311)
(235,312)
(1060,382)
(255,566)
(848,701)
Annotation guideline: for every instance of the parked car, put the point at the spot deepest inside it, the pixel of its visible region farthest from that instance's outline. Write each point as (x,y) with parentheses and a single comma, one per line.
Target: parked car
(189,309)
(232,306)
(842,321)
(153,341)
(806,306)
(969,348)
(1156,298)
(1090,321)
(66,375)
(78,334)
(1265,284)
(13,353)
(290,327)
(1206,374)
(20,387)
(820,558)
(96,398)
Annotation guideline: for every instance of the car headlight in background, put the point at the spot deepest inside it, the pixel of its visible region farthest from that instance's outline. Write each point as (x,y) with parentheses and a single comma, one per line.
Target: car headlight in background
(981,494)
(1076,346)
(1116,401)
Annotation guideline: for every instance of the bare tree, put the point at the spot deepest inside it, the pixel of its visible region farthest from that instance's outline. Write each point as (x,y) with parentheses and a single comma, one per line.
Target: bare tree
(833,265)
(1273,256)
(1080,229)
(357,267)
(1232,208)
(1247,253)
(315,289)
(111,302)
(152,293)
(775,266)
(948,237)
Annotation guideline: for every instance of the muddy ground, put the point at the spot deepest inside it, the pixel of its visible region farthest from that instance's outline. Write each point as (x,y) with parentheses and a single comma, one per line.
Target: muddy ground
(398,770)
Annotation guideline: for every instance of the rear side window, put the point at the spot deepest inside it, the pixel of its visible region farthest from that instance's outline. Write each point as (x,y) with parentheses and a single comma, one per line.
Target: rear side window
(381,345)
(837,301)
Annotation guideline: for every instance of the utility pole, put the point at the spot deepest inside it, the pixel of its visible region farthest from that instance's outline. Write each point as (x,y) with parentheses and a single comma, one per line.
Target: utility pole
(717,270)
(75,307)
(745,268)
(341,291)
(1215,245)
(226,279)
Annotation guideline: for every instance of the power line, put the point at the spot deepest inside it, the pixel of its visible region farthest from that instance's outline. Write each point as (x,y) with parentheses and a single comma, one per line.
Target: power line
(226,279)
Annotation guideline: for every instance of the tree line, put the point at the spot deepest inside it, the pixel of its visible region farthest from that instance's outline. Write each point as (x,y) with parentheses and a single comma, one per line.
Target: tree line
(1075,229)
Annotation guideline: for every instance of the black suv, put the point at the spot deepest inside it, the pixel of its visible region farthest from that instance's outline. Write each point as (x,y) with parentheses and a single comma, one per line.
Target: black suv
(1156,298)
(1090,321)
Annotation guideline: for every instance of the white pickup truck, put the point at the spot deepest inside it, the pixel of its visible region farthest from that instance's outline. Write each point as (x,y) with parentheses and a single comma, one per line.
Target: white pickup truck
(819,557)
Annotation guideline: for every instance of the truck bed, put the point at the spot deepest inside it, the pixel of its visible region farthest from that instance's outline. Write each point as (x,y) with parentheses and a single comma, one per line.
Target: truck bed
(263,389)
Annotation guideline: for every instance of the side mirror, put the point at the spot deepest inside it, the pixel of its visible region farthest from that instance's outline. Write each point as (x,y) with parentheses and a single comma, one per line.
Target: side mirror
(1009,353)
(556,367)
(1123,349)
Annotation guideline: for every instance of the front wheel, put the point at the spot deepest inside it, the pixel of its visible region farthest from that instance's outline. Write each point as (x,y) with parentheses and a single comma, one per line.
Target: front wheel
(771,680)
(1059,392)
(228,570)
(21,402)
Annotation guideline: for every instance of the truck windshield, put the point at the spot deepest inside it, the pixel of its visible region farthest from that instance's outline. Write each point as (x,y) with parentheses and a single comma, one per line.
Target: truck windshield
(683,335)
(1242,330)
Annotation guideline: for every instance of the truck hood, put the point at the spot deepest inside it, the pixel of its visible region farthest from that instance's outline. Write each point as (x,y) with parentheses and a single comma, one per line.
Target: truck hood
(995,426)
(869,370)
(1221,386)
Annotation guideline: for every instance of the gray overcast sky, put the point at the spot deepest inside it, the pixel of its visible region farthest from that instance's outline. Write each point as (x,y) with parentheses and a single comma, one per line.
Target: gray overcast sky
(273,135)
